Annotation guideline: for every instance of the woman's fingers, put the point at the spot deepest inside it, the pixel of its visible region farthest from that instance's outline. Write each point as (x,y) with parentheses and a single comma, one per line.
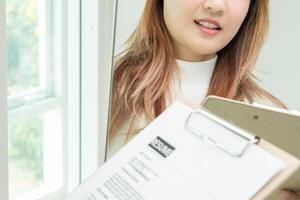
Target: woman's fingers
(289,195)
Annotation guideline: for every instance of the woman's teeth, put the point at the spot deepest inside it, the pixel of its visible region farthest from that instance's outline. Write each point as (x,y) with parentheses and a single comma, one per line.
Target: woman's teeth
(208,25)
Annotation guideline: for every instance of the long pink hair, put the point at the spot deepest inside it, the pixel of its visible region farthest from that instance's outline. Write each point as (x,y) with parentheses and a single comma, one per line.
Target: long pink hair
(141,81)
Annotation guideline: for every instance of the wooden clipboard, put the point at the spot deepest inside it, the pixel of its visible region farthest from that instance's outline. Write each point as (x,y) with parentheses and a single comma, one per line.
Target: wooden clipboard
(279,133)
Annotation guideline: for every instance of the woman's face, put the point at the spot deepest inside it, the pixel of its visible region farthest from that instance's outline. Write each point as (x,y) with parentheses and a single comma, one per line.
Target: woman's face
(200,28)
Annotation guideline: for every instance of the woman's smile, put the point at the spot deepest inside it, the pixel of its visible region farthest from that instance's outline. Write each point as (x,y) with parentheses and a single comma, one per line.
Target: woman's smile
(208,26)
(201,28)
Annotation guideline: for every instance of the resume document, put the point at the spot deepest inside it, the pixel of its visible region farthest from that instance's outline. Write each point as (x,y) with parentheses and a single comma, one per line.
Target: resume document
(166,161)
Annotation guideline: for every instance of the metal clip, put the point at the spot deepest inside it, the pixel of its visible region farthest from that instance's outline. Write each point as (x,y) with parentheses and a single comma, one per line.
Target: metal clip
(217,132)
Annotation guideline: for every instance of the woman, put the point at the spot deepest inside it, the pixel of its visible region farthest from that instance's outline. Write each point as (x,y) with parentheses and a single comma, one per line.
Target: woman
(186,50)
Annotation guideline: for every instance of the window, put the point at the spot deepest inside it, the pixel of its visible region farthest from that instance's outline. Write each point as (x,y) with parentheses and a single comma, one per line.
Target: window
(37,89)
(56,125)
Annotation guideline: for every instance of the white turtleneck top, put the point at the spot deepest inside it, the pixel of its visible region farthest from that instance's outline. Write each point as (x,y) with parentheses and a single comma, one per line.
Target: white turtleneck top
(191,88)
(194,81)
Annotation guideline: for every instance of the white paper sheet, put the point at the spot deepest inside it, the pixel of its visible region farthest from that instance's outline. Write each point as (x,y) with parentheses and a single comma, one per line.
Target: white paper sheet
(186,167)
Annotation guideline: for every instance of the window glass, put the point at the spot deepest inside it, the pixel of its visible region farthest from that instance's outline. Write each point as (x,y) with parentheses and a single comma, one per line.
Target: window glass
(22,26)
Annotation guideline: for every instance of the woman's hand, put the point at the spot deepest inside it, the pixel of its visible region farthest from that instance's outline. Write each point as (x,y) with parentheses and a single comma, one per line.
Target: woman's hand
(289,195)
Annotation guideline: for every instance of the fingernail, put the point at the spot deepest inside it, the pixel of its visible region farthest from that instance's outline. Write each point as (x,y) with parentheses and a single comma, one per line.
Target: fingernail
(285,194)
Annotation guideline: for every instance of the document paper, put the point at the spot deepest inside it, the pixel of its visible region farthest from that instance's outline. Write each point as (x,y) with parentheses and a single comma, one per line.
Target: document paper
(166,161)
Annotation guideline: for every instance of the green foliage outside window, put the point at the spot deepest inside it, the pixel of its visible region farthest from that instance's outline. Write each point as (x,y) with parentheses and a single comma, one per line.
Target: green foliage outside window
(26,146)
(22,40)
(22,45)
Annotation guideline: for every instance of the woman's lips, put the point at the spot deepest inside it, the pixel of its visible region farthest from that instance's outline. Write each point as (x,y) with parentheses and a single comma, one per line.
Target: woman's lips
(208,26)
(208,31)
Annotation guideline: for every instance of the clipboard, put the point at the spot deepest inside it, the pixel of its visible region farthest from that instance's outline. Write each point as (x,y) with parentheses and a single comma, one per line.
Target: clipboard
(170,160)
(263,126)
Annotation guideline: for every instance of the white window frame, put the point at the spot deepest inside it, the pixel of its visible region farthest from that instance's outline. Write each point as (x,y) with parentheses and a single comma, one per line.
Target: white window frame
(73,101)
(67,48)
(98,30)
(20,106)
(69,42)
(3,109)
(45,89)
(97,35)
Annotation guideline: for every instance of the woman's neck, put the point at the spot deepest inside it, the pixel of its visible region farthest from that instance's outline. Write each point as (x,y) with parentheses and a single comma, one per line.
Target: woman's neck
(187,55)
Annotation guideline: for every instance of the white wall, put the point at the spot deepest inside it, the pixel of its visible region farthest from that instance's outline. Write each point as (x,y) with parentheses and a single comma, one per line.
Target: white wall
(128,14)
(3,109)
(278,66)
(279,60)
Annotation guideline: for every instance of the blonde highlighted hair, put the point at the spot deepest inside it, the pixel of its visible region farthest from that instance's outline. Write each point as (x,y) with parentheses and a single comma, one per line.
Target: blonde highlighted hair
(141,81)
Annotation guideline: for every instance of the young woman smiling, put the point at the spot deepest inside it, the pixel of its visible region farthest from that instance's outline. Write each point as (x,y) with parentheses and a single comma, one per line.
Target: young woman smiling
(185,50)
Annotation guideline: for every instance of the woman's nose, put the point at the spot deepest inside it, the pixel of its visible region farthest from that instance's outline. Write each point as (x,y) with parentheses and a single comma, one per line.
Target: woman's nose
(214,7)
